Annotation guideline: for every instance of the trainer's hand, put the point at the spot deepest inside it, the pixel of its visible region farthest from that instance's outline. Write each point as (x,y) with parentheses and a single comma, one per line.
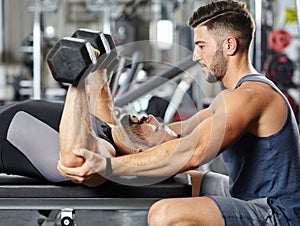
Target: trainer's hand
(89,173)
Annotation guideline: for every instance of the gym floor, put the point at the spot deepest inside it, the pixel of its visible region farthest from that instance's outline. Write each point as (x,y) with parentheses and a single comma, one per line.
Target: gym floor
(83,218)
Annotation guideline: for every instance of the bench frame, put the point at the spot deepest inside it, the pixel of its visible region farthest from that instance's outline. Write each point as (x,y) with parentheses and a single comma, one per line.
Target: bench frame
(19,193)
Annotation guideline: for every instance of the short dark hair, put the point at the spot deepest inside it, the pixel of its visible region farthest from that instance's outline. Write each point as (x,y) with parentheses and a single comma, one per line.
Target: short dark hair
(226,17)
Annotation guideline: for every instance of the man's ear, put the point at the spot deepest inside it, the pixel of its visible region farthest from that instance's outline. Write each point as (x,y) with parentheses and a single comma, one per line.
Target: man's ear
(231,45)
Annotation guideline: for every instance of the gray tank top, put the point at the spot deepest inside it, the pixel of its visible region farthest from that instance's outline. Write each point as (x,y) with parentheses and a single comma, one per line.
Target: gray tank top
(269,167)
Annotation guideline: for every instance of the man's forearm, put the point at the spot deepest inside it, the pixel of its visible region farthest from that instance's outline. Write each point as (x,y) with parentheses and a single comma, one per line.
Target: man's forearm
(174,156)
(75,128)
(101,102)
(165,160)
(184,128)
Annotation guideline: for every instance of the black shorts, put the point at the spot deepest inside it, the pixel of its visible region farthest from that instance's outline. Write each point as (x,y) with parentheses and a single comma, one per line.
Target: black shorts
(29,140)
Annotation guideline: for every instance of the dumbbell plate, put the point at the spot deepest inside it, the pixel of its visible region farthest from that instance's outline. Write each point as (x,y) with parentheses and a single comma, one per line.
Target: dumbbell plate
(71,60)
(104,43)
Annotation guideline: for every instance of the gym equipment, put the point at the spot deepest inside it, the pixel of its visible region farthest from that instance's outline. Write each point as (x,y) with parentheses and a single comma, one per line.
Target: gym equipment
(38,7)
(280,69)
(136,66)
(26,193)
(104,43)
(279,39)
(178,96)
(1,29)
(154,82)
(73,58)
(70,60)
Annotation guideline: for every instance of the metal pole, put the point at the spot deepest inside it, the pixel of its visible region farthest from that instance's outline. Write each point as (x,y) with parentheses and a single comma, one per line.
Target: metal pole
(298,23)
(1,31)
(106,20)
(258,36)
(298,15)
(37,51)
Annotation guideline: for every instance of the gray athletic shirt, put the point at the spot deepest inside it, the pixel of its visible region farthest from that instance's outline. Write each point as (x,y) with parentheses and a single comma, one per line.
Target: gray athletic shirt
(268,166)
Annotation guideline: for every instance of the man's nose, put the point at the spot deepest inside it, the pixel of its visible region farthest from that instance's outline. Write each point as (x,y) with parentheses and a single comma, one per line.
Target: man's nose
(196,56)
(149,118)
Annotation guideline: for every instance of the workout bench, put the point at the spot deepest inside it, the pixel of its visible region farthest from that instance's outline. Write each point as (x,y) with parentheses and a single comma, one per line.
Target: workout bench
(19,193)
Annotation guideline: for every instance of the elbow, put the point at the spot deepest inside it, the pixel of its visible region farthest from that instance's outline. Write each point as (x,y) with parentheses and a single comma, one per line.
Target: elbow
(194,162)
(197,158)
(71,160)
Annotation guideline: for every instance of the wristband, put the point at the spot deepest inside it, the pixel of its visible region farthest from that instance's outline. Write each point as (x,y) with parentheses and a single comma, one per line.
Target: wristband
(108,170)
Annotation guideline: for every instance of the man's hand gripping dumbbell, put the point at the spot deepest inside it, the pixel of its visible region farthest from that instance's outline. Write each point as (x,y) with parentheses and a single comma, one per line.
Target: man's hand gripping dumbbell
(73,58)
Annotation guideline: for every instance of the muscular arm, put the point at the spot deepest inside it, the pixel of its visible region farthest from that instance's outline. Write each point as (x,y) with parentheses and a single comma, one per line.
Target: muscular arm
(186,127)
(76,130)
(101,103)
(166,159)
(232,114)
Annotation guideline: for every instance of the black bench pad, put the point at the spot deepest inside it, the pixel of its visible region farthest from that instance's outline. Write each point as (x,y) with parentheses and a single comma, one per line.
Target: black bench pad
(27,193)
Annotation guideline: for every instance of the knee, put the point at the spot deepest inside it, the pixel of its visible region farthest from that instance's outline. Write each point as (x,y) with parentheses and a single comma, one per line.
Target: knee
(160,213)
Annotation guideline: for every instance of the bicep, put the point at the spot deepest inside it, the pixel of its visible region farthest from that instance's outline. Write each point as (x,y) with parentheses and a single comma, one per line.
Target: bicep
(229,121)
(235,113)
(187,126)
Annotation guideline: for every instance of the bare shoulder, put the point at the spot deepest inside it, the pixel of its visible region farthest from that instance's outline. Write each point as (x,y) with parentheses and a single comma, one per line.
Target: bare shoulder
(257,104)
(260,94)
(257,94)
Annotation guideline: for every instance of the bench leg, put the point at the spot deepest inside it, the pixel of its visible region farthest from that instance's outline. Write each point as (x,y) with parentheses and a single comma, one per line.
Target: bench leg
(62,217)
(67,217)
(51,220)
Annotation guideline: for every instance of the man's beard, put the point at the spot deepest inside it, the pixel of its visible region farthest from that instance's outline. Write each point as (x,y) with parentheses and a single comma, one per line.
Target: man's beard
(126,123)
(218,68)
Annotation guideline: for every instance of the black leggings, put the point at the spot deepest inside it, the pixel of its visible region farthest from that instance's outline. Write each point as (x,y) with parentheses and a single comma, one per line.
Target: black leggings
(29,141)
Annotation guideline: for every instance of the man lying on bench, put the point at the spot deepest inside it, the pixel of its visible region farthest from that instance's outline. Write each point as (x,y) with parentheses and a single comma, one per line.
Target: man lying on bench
(250,123)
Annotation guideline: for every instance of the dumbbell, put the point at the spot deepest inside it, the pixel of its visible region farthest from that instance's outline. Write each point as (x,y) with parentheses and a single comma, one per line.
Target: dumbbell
(73,58)
(104,43)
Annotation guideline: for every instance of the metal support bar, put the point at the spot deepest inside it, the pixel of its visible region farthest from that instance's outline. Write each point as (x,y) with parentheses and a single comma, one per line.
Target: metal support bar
(1,31)
(258,36)
(38,7)
(177,98)
(104,8)
(154,82)
(76,203)
(298,23)
(136,66)
(52,219)
(37,51)
(298,15)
